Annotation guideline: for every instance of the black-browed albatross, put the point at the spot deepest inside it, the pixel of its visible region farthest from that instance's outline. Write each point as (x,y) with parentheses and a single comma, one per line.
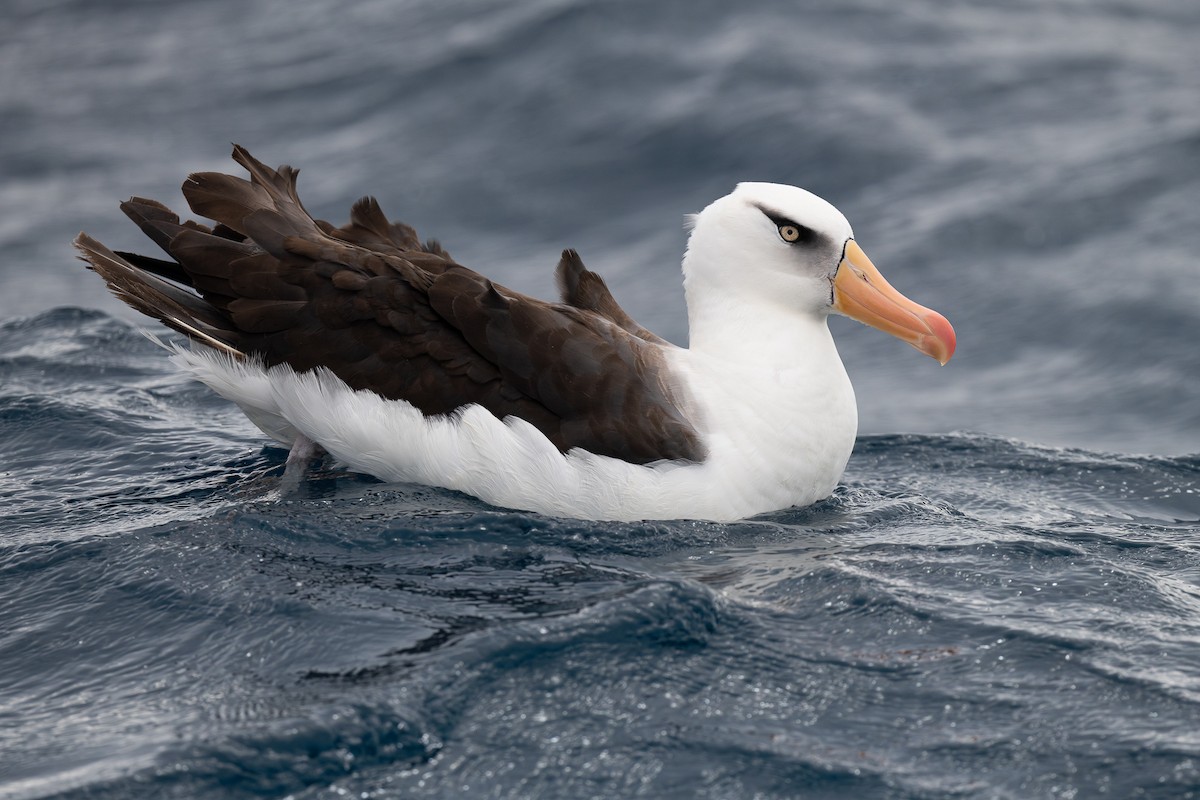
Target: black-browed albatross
(407,366)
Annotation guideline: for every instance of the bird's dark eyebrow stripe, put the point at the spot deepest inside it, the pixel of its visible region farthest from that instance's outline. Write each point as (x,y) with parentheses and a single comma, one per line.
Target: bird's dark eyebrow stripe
(777,218)
(807,234)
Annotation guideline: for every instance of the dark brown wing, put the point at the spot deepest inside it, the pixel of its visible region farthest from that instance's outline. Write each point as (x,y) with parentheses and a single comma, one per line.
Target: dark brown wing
(386,313)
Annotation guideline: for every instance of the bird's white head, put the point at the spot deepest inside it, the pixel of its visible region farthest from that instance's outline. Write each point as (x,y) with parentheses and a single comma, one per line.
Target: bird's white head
(767,246)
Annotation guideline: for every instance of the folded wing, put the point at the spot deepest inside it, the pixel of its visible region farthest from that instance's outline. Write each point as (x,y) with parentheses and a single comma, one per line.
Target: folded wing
(386,313)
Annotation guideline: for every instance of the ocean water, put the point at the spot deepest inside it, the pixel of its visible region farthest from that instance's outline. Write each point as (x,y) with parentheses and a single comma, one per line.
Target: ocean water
(1001,600)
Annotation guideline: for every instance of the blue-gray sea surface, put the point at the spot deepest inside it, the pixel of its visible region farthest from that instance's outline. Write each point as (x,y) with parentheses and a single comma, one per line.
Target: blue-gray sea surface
(1002,600)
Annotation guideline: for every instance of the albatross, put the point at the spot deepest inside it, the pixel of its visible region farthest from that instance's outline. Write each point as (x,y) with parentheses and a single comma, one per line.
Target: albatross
(386,353)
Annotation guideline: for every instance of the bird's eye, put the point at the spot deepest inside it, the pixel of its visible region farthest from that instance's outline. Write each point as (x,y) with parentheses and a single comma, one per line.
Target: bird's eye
(789,233)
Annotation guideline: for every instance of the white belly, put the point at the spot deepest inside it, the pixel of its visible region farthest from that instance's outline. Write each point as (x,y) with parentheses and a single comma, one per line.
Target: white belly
(775,440)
